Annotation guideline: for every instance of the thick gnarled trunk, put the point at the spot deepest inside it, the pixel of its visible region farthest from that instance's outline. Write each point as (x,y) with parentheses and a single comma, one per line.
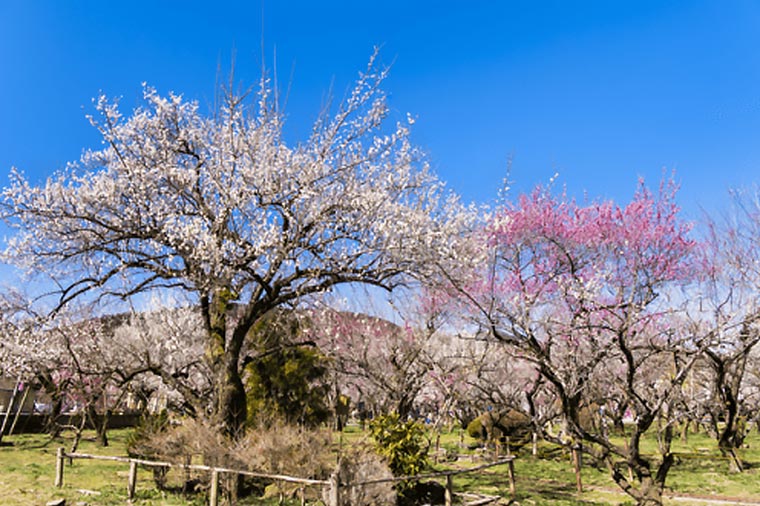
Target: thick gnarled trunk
(643,484)
(231,408)
(223,356)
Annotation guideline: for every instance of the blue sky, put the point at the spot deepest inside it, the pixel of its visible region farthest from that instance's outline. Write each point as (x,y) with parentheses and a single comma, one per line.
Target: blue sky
(599,92)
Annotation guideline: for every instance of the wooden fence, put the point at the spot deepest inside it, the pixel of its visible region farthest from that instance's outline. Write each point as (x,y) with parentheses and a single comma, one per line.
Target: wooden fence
(333,484)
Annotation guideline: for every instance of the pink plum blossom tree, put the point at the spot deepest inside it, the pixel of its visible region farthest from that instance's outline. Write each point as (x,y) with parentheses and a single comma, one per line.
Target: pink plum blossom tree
(587,294)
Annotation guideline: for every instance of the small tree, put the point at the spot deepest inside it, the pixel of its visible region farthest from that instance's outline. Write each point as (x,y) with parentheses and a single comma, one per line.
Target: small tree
(401,442)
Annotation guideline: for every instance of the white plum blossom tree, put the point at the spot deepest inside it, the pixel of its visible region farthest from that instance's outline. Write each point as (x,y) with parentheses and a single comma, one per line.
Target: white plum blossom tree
(728,313)
(90,363)
(220,206)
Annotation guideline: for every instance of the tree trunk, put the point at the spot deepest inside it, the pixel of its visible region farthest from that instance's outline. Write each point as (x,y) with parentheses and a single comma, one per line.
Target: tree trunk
(649,490)
(653,497)
(643,485)
(405,406)
(52,426)
(100,423)
(223,356)
(231,400)
(685,431)
(78,431)
(730,438)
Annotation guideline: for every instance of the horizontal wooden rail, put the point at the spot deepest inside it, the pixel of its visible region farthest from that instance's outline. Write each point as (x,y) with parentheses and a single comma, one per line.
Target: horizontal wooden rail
(439,474)
(197,467)
(61,457)
(449,487)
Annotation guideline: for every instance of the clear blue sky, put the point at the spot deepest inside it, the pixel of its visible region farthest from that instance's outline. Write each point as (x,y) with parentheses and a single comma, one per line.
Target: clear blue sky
(600,92)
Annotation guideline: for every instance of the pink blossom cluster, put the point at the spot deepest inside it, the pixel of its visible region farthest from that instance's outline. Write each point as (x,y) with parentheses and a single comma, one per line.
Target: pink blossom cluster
(600,253)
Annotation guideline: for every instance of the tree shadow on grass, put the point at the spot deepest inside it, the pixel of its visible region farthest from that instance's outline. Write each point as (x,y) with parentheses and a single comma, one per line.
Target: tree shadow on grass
(536,491)
(549,492)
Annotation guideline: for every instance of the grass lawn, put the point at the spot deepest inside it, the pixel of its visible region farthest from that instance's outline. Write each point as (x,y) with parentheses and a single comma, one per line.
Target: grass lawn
(548,479)
(28,470)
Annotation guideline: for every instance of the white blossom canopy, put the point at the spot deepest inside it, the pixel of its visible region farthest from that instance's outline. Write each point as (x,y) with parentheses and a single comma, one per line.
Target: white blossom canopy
(181,199)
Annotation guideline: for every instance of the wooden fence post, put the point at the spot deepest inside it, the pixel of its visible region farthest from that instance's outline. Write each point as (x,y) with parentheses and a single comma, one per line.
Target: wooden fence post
(213,494)
(18,411)
(333,498)
(59,463)
(577,467)
(132,480)
(512,485)
(449,494)
(9,408)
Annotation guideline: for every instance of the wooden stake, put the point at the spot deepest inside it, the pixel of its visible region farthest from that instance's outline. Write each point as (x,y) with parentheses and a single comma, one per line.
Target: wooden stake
(449,494)
(333,498)
(18,411)
(577,468)
(9,408)
(59,463)
(132,480)
(213,498)
(512,484)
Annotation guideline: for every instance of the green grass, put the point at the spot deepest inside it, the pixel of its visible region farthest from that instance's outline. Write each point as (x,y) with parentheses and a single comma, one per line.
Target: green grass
(700,472)
(28,473)
(28,470)
(27,463)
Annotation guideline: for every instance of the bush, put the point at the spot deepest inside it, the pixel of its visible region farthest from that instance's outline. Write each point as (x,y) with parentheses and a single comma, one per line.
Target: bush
(139,445)
(274,448)
(405,447)
(403,444)
(148,426)
(476,430)
(509,423)
(283,379)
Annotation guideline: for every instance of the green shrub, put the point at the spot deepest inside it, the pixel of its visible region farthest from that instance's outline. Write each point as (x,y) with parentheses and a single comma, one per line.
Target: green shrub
(285,380)
(403,444)
(509,423)
(475,429)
